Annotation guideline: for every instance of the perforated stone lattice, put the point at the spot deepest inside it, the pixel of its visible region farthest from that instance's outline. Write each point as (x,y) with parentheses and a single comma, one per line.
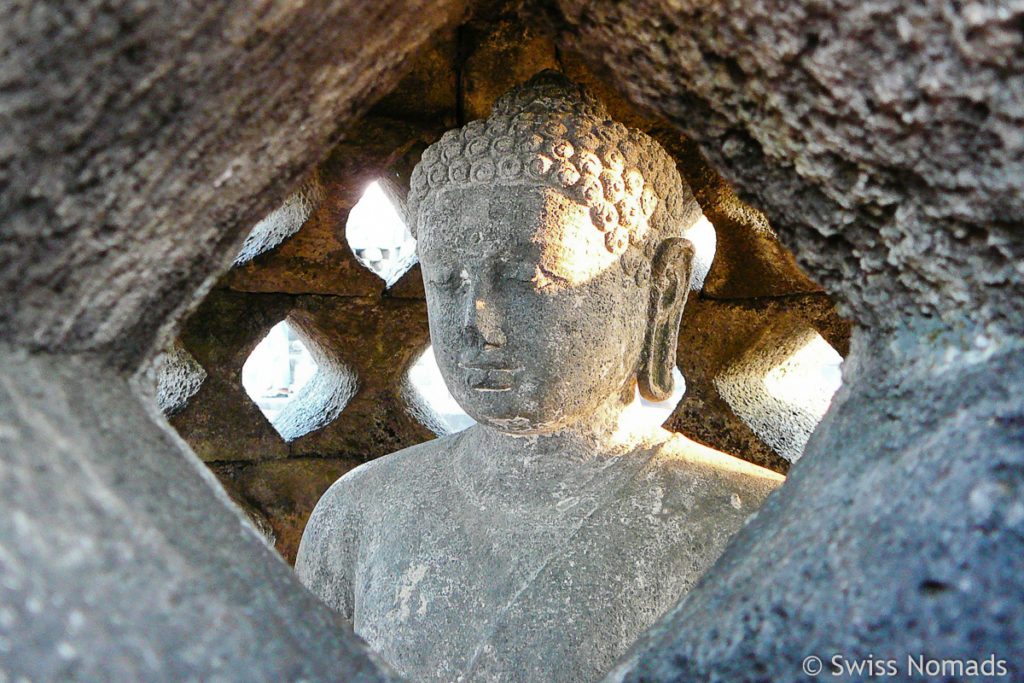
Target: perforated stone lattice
(379,236)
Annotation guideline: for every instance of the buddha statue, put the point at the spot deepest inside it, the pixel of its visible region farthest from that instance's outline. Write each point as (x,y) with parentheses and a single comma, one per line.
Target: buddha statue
(540,543)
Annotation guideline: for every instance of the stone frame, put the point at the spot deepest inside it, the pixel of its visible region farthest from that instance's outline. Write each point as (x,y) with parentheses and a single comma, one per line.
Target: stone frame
(140,143)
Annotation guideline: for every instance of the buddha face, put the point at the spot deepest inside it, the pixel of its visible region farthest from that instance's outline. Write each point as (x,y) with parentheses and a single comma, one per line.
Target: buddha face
(534,323)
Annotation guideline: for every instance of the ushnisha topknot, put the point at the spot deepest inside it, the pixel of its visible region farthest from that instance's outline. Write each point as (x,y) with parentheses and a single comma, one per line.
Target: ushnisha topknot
(552,132)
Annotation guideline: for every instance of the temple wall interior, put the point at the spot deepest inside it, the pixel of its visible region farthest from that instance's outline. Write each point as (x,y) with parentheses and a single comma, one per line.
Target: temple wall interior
(756,307)
(175,181)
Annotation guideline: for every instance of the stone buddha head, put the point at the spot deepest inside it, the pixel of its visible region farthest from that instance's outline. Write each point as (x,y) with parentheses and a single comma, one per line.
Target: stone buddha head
(551,245)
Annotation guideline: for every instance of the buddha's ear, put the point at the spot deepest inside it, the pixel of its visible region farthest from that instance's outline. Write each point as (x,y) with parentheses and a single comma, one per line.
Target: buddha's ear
(670,284)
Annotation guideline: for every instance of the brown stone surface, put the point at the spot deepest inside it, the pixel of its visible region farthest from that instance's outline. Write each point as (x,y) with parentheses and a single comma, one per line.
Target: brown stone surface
(281,493)
(220,422)
(379,340)
(715,332)
(496,57)
(749,261)
(429,88)
(317,259)
(285,220)
(410,285)
(376,340)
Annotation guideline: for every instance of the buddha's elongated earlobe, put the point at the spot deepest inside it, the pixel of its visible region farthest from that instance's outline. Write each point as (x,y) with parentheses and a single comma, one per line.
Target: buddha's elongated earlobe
(670,285)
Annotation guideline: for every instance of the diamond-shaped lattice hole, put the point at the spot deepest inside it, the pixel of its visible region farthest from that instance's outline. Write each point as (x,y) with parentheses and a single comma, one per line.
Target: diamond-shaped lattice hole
(277,369)
(295,392)
(429,399)
(434,406)
(379,236)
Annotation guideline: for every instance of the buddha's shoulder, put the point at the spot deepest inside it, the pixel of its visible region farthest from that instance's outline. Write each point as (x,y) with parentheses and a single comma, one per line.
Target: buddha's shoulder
(393,474)
(687,462)
(360,497)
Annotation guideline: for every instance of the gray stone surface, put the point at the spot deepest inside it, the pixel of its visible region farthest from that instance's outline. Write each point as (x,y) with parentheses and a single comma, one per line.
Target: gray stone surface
(141,144)
(777,386)
(881,138)
(899,532)
(121,558)
(282,222)
(179,377)
(540,543)
(320,400)
(474,557)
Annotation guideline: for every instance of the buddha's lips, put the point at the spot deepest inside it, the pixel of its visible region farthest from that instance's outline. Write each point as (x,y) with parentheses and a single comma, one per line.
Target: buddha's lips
(489,377)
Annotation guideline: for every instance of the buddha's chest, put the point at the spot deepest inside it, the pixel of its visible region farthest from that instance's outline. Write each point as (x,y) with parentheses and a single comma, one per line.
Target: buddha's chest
(470,588)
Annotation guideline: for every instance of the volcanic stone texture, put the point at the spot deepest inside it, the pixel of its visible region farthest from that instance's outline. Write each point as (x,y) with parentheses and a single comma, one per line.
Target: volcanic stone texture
(883,141)
(715,333)
(179,377)
(283,221)
(140,144)
(341,308)
(203,118)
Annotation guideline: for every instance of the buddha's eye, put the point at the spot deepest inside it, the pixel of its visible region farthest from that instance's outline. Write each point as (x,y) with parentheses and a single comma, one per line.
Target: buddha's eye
(441,276)
(449,278)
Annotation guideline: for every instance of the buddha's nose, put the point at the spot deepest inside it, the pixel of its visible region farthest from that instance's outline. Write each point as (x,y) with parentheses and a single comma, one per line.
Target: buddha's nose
(483,318)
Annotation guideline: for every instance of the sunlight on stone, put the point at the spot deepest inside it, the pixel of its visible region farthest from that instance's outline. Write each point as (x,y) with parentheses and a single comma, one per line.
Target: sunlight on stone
(782,387)
(644,413)
(282,222)
(807,379)
(276,370)
(379,237)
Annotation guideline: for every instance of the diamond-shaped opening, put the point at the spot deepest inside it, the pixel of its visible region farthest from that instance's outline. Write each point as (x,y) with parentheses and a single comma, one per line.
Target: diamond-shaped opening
(179,376)
(379,237)
(434,406)
(294,385)
(429,400)
(782,386)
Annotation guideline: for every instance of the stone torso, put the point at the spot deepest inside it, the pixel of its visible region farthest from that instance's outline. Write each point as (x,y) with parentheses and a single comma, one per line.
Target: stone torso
(453,571)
